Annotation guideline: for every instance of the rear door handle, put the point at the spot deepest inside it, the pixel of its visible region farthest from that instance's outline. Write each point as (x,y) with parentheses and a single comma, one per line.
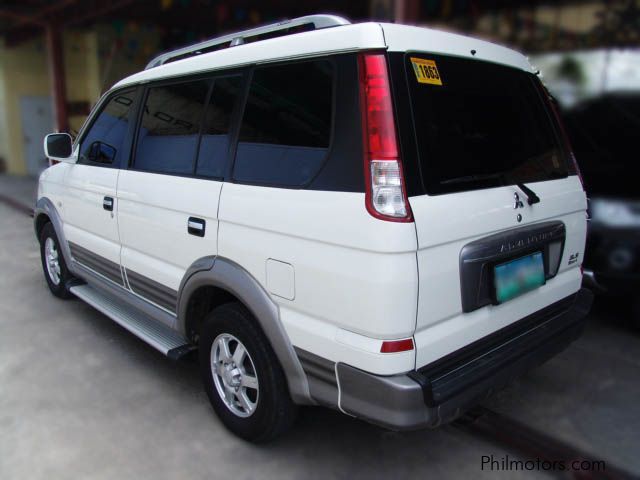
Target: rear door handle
(107,203)
(196,226)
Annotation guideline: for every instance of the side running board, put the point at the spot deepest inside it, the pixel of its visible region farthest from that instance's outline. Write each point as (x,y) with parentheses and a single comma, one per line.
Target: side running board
(159,336)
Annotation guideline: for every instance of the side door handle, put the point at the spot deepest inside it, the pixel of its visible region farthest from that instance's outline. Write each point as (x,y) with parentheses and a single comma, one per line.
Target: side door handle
(196,226)
(107,203)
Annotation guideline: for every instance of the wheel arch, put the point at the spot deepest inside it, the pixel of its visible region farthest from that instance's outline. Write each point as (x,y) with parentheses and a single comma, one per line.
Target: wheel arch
(39,221)
(45,212)
(228,281)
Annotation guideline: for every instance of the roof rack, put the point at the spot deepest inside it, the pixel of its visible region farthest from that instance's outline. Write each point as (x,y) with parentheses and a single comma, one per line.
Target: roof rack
(309,22)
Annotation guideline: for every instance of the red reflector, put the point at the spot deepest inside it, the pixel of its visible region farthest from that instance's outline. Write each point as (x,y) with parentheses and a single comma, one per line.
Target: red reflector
(395,346)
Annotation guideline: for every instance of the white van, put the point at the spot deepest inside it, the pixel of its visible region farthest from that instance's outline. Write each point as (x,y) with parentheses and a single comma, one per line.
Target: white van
(382,219)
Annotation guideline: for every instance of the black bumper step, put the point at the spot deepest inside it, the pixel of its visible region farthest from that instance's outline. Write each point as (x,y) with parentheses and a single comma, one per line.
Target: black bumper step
(507,352)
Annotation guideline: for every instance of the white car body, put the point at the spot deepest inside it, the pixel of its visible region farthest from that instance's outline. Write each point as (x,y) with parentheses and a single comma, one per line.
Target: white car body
(342,281)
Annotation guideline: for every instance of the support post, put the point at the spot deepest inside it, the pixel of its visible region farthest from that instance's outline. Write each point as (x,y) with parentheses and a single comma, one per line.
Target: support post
(57,77)
(406,11)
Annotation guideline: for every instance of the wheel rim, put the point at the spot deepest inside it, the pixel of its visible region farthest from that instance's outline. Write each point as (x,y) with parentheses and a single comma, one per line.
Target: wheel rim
(234,375)
(52,260)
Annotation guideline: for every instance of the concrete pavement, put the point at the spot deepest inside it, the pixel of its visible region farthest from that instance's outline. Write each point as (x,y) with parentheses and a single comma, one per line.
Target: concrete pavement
(19,189)
(80,397)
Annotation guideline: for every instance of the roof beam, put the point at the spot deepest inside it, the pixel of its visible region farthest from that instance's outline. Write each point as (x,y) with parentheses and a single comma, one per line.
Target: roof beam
(20,18)
(37,18)
(94,12)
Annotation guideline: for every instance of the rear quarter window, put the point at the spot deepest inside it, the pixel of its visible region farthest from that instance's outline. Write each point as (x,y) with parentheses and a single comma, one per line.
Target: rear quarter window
(480,125)
(216,127)
(286,126)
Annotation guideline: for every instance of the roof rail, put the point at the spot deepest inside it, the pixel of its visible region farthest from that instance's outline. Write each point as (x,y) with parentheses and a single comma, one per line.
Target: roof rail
(317,22)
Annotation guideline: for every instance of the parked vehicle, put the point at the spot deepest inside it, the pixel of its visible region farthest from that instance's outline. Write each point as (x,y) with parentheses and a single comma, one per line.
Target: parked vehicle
(381,219)
(603,132)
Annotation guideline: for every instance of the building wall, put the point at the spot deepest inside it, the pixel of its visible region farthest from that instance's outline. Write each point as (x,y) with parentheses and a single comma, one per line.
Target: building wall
(94,60)
(3,122)
(123,53)
(82,72)
(24,72)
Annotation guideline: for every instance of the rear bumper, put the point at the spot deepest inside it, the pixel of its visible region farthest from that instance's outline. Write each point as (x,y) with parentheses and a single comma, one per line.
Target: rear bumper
(440,392)
(590,281)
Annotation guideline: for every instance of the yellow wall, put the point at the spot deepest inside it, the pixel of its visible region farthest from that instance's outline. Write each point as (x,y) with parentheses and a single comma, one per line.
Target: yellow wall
(24,71)
(81,71)
(94,61)
(3,121)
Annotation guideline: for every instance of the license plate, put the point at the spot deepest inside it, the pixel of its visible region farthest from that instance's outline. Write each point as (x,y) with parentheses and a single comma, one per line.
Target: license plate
(519,276)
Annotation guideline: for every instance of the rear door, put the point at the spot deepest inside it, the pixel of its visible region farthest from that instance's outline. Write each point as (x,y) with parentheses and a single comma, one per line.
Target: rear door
(168,198)
(487,143)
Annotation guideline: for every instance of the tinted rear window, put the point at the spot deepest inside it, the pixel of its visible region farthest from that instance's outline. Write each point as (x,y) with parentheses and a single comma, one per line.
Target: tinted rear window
(286,126)
(484,126)
(216,128)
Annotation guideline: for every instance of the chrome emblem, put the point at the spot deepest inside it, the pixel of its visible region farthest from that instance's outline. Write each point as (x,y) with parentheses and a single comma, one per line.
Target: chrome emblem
(518,203)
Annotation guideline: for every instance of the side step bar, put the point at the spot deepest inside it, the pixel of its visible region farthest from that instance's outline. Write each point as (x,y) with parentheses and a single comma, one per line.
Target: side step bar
(159,336)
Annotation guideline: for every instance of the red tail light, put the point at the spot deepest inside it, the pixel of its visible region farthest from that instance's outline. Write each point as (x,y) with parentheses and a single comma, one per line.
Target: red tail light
(386,196)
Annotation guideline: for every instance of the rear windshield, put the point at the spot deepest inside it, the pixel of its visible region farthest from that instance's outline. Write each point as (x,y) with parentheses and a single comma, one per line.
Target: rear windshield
(480,125)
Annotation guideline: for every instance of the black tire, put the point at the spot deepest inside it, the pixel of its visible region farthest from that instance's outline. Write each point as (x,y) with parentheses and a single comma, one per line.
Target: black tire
(274,410)
(59,289)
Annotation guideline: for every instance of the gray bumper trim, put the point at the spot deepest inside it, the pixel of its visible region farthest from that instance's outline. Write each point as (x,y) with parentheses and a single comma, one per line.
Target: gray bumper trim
(441,392)
(394,402)
(321,375)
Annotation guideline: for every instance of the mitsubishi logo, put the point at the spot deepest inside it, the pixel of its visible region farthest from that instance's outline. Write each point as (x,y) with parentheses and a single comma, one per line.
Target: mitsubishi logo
(518,203)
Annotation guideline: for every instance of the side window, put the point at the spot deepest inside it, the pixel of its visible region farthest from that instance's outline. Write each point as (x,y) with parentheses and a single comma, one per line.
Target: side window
(104,142)
(214,142)
(286,125)
(168,133)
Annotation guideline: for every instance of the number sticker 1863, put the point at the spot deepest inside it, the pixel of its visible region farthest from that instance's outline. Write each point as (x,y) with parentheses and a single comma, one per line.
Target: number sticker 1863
(426,71)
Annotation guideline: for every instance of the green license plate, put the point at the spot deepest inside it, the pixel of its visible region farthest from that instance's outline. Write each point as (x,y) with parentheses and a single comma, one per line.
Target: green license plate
(519,276)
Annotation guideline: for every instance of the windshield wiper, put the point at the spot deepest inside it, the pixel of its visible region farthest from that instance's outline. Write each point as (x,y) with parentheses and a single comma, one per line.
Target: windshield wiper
(472,178)
(531,195)
(532,198)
